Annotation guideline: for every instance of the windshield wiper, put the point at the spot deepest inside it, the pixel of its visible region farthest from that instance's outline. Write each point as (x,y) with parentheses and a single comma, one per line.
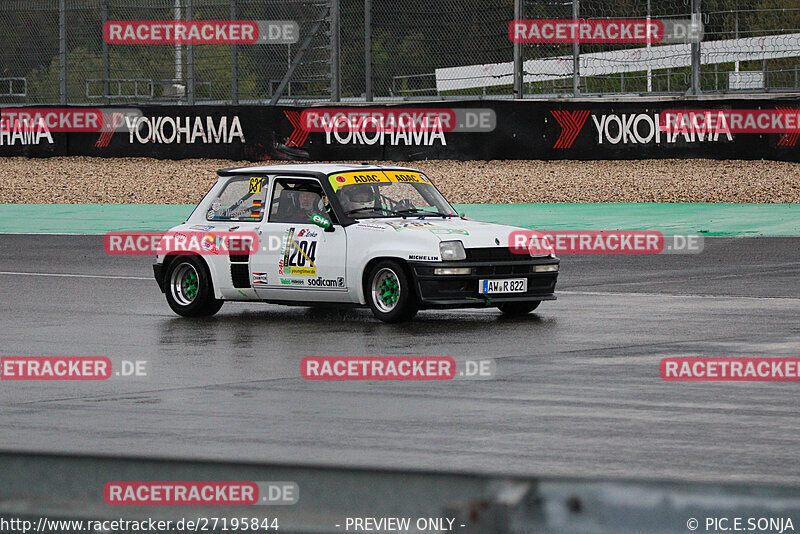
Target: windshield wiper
(413,211)
(384,210)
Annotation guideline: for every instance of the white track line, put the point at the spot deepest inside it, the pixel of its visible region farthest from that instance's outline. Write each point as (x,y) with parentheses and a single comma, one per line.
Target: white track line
(631,294)
(598,293)
(65,275)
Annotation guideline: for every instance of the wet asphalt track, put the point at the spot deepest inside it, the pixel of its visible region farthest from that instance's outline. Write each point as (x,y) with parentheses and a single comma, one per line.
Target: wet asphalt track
(578,391)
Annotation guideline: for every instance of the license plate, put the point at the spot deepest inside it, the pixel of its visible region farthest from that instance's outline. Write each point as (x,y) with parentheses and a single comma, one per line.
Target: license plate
(508,285)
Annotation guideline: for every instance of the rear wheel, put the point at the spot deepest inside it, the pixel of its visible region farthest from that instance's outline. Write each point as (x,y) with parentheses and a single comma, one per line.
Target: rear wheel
(189,290)
(389,293)
(517,308)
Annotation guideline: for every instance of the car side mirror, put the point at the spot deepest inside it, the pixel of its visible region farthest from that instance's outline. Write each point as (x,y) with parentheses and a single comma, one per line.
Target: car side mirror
(322,222)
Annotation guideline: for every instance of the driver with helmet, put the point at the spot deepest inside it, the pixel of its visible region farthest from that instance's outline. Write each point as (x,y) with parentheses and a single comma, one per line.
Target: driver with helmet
(357,196)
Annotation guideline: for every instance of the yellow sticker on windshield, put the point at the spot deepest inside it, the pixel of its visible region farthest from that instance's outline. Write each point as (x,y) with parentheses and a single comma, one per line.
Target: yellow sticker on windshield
(255,184)
(350,178)
(407,177)
(376,177)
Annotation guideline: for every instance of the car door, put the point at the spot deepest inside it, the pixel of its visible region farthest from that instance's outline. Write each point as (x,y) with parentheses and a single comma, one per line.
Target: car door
(237,207)
(297,260)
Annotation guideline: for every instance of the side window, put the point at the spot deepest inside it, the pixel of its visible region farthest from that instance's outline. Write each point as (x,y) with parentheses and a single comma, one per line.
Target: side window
(242,199)
(296,200)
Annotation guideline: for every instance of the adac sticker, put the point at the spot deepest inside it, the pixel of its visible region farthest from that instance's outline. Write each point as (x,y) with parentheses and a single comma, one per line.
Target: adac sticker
(407,177)
(365,177)
(376,177)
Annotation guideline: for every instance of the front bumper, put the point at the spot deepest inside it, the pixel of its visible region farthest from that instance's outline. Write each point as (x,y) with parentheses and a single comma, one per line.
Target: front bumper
(461,291)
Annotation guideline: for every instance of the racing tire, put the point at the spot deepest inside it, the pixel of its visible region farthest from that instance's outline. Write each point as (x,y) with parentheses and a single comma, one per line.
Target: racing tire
(390,293)
(515,309)
(189,290)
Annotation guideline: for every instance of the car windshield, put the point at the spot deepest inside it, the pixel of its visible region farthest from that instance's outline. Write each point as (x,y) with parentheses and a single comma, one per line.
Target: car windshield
(389,194)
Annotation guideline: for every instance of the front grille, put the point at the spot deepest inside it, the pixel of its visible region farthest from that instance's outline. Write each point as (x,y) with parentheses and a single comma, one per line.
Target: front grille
(489,270)
(495,254)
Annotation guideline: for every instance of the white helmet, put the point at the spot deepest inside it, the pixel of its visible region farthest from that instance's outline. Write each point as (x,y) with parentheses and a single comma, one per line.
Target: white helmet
(358,196)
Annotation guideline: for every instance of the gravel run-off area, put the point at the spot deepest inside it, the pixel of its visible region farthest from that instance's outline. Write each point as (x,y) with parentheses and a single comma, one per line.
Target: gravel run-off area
(68,180)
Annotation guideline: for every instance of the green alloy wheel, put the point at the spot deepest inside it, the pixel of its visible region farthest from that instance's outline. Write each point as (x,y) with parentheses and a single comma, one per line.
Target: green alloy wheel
(390,294)
(189,289)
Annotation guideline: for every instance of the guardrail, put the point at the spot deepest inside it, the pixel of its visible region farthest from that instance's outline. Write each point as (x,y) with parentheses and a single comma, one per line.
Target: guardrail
(169,89)
(71,487)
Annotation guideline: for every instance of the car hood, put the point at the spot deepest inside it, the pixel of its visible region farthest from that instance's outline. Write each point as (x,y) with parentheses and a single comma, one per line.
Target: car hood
(473,234)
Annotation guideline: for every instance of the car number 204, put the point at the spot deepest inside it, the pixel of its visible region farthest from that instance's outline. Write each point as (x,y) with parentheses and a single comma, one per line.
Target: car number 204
(508,285)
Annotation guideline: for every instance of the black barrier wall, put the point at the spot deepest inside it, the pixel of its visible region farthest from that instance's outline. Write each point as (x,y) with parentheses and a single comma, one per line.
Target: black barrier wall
(467,130)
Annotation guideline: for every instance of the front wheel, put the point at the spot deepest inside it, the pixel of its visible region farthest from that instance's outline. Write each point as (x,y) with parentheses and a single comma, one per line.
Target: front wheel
(189,290)
(517,308)
(389,293)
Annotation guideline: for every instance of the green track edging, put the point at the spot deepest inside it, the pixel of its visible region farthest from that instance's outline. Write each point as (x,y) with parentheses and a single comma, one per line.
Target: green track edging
(670,219)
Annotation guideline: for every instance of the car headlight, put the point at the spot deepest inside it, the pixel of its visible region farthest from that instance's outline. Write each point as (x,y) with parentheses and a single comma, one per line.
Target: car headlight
(546,268)
(452,250)
(541,247)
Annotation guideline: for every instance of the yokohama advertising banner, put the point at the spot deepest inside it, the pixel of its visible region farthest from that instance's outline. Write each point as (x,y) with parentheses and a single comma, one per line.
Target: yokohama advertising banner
(585,129)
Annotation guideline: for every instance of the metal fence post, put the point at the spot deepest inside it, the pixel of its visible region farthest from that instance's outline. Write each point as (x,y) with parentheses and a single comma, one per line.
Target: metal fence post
(695,51)
(189,60)
(178,56)
(368,51)
(649,70)
(335,71)
(518,87)
(106,67)
(576,51)
(62,51)
(234,63)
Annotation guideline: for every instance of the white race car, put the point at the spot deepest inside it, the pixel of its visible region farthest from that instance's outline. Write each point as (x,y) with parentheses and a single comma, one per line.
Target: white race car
(362,235)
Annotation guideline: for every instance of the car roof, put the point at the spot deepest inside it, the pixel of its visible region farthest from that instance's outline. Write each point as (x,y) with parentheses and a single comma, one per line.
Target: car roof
(324,168)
